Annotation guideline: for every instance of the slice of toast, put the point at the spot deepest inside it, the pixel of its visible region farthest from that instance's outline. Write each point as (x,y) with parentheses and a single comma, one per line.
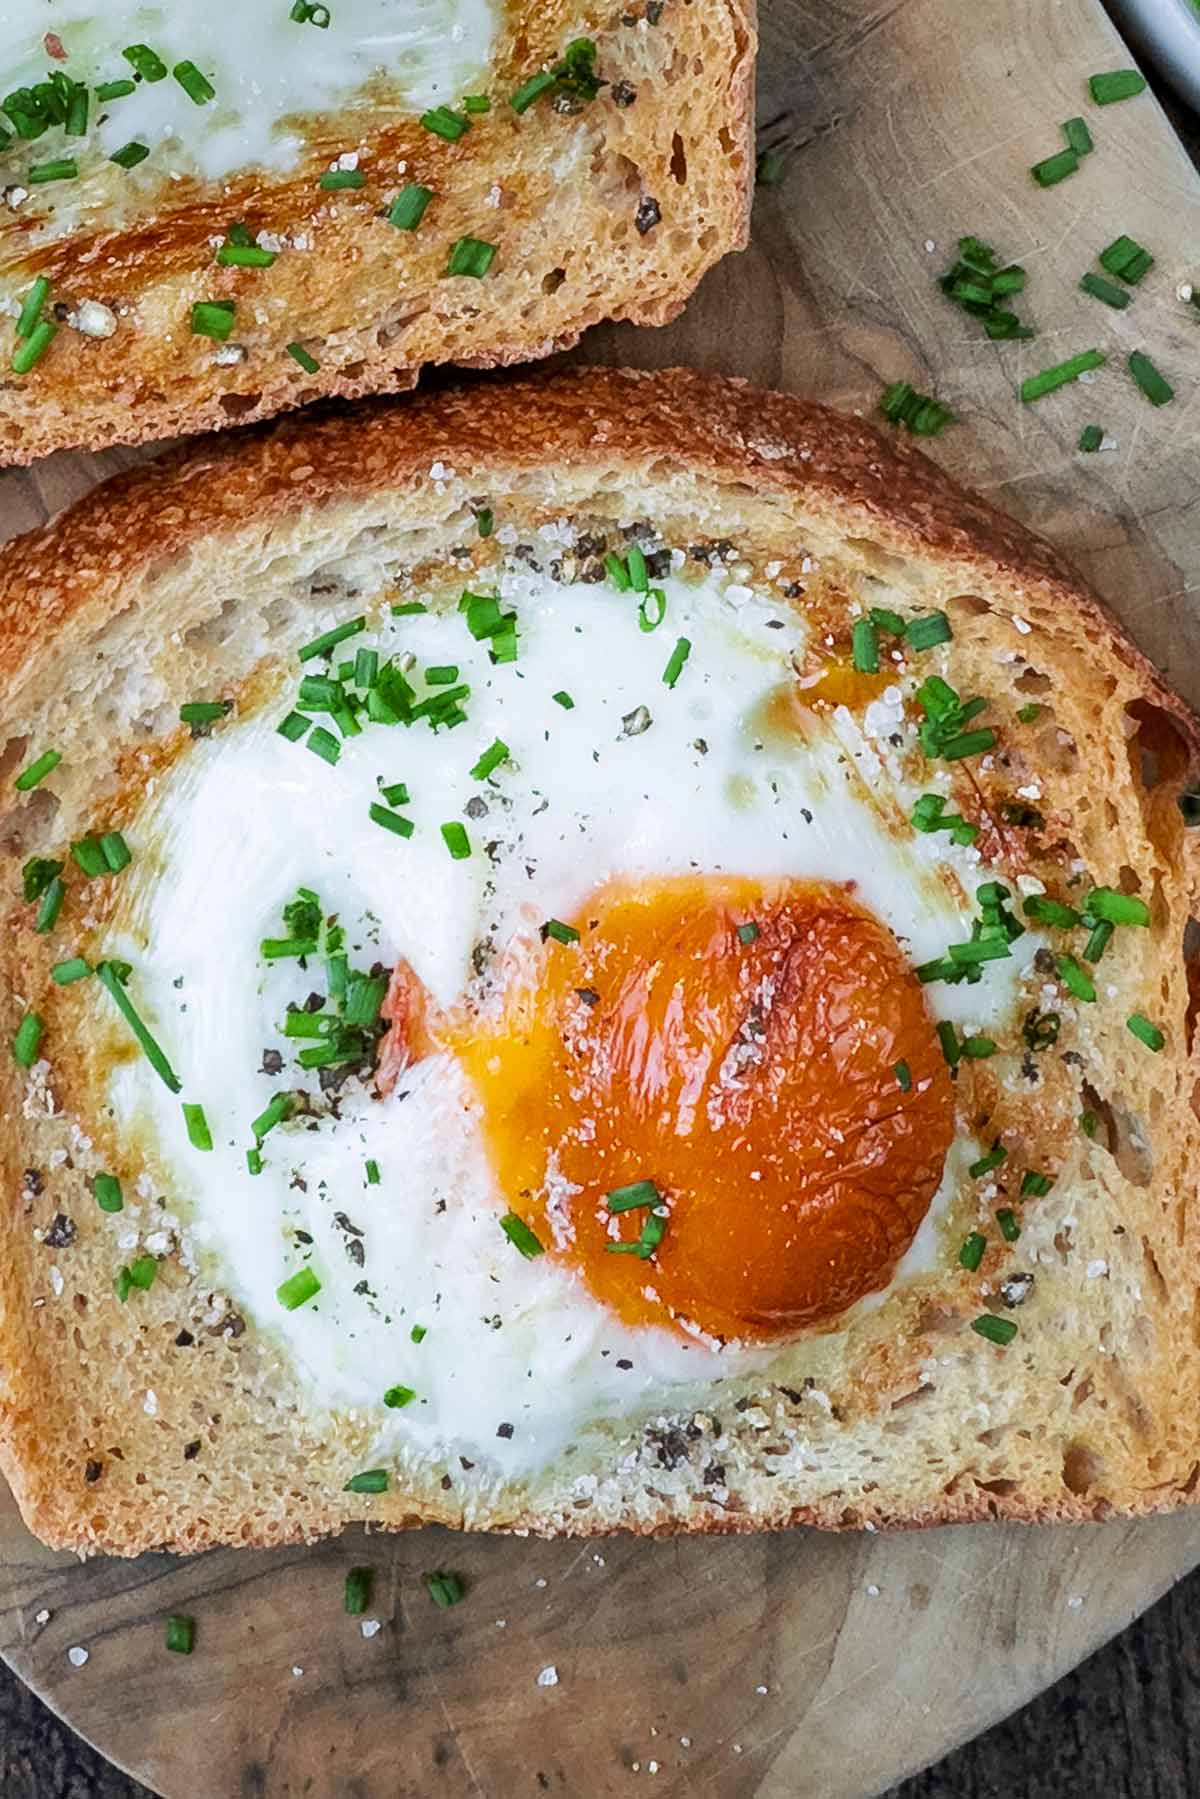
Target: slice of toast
(1033,1357)
(255,212)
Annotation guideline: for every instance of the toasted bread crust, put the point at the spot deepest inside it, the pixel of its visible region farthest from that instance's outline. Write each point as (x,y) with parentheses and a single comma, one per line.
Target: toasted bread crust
(655,191)
(1092,1413)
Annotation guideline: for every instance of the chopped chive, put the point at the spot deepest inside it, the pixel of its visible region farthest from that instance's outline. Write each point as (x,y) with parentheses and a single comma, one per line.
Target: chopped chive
(1006,1218)
(214,319)
(919,413)
(204,712)
(1107,291)
(992,1159)
(396,1398)
(1145,1032)
(633,1197)
(1055,168)
(372,1172)
(65,974)
(1049,380)
(245,256)
(298,1289)
(336,181)
(454,836)
(356,1596)
(1090,439)
(145,62)
(1089,1123)
(968,743)
(110,980)
(64,168)
(1156,387)
(445,123)
(115,90)
(1099,940)
(329,640)
(496,753)
(652,609)
(470,256)
(293,726)
(87,855)
(391,821)
(1035,1185)
(279,1108)
(106,1190)
(676,661)
(476,103)
(27,1040)
(418,1333)
(51,905)
(116,851)
(562,698)
(1078,136)
(37,771)
(484,521)
(130,155)
(308,363)
(254,1161)
(617,572)
(971,1253)
(395,795)
(441,675)
(864,647)
(520,1236)
(371,1480)
(947,1036)
(923,633)
(444,1589)
(903,1076)
(1000,1331)
(770,168)
(1116,908)
(1117,84)
(531,90)
(310,12)
(654,1228)
(31,309)
(279,949)
(324,744)
(748,933)
(28,354)
(1075,979)
(635,563)
(181,1635)
(561,933)
(1050,912)
(143,1272)
(1125,258)
(409,609)
(978,1048)
(196,86)
(199,1135)
(409,207)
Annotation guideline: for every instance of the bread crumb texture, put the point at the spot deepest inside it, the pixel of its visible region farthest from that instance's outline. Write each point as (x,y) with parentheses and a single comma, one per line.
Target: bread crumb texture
(588,206)
(172,1421)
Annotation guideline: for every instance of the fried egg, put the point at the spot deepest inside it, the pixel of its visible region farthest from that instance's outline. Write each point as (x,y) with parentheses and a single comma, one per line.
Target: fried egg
(661,1092)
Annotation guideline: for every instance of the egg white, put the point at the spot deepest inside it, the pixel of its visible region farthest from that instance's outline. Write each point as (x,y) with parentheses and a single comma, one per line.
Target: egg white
(227,834)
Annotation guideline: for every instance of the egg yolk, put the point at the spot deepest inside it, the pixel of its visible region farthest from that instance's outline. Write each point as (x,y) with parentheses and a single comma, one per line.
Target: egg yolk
(762,1054)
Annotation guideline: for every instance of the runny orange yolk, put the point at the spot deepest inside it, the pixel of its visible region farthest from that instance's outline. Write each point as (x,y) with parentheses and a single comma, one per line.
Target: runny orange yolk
(751,1075)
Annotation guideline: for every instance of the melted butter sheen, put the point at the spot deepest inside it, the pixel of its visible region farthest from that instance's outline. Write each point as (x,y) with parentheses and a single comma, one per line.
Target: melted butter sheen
(267,69)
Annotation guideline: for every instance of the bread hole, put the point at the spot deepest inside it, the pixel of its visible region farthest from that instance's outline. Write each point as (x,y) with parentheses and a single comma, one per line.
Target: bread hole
(881,562)
(115,625)
(352,371)
(1111,816)
(1001,1488)
(238,406)
(1122,1134)
(920,1392)
(391,329)
(1081,1468)
(1154,1272)
(211,633)
(1189,1485)
(552,280)
(934,1319)
(1083,1392)
(726,142)
(973,604)
(1158,749)
(12,759)
(678,160)
(22,829)
(1033,682)
(991,1438)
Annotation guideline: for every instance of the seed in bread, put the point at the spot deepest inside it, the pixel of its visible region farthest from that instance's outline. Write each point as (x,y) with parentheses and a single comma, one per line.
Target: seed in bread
(626,986)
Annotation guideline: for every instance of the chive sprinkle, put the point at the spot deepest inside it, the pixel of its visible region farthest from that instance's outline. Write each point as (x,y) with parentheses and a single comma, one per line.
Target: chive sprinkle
(1075,979)
(633,1197)
(245,256)
(971,1253)
(1078,136)
(924,633)
(106,1190)
(1055,168)
(214,319)
(337,181)
(199,1135)
(372,1172)
(396,1398)
(279,1108)
(28,354)
(115,90)
(1000,1331)
(64,168)
(324,744)
(1049,380)
(181,1635)
(293,726)
(520,1236)
(418,1333)
(1145,1032)
(129,155)
(196,86)
(145,62)
(1118,84)
(65,974)
(1006,1218)
(496,753)
(116,851)
(445,123)
(1090,439)
(675,663)
(864,647)
(204,712)
(1035,1185)
(37,770)
(111,981)
(51,905)
(299,354)
(444,1589)
(298,1289)
(992,1159)
(392,821)
(371,1480)
(356,1596)
(562,698)
(903,1076)
(748,933)
(1116,908)
(454,836)
(254,1161)
(652,609)
(1156,387)
(27,1040)
(1107,291)
(919,413)
(409,207)
(329,640)
(470,256)
(484,521)
(561,933)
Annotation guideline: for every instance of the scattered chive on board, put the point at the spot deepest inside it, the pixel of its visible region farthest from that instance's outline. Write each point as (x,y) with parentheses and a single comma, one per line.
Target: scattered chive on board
(1036,387)
(1118,84)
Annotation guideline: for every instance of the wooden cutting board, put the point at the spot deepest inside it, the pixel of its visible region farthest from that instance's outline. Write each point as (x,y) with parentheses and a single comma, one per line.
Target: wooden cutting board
(781,1667)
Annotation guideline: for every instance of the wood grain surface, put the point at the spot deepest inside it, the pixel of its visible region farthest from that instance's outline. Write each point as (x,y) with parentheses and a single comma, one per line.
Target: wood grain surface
(792,1665)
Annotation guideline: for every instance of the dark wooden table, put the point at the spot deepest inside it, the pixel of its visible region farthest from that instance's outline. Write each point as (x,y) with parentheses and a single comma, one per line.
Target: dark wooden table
(1123,1725)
